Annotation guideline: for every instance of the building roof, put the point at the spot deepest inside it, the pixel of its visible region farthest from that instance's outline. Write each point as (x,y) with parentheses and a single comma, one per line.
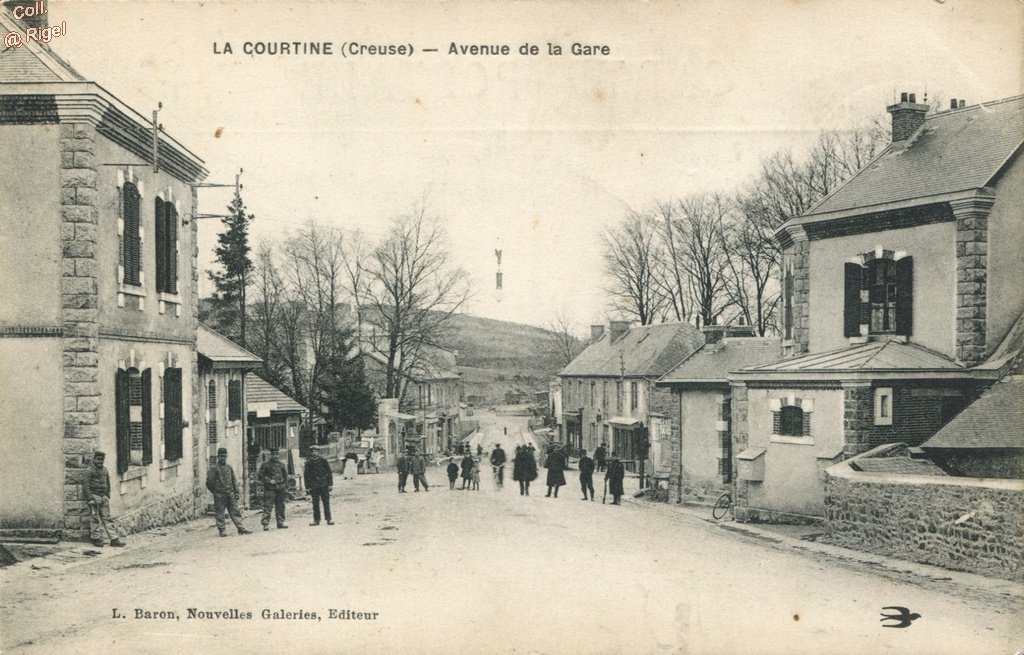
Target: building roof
(713,362)
(874,356)
(646,351)
(33,61)
(994,420)
(901,464)
(956,150)
(218,348)
(263,395)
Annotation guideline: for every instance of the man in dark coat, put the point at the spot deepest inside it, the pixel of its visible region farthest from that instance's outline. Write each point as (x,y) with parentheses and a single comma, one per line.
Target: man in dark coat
(524,469)
(418,467)
(599,456)
(498,461)
(319,480)
(616,472)
(403,466)
(556,466)
(586,474)
(220,480)
(467,470)
(274,477)
(453,472)
(96,492)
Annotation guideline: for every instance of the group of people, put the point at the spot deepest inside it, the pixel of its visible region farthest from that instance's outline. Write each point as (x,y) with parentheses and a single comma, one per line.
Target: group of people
(412,462)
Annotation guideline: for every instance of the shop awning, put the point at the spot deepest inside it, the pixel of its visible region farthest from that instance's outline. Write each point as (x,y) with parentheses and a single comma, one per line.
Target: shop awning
(624,422)
(402,417)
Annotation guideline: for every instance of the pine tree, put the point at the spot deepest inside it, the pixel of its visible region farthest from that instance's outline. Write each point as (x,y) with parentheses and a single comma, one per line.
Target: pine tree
(228,302)
(347,395)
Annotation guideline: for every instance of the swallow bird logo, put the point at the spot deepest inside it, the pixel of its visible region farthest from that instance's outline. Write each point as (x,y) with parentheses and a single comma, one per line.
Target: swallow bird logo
(900,617)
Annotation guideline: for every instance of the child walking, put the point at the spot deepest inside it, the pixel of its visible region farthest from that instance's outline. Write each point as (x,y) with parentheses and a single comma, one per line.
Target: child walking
(453,472)
(475,472)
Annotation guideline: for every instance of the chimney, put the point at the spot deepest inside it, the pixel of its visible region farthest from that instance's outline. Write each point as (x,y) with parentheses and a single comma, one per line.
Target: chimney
(596,332)
(713,333)
(32,13)
(907,117)
(616,329)
(716,333)
(952,103)
(962,103)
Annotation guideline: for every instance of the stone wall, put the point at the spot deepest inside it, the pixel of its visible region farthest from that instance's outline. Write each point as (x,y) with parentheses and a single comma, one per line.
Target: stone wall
(965,524)
(79,316)
(169,510)
(858,417)
(801,295)
(665,401)
(739,406)
(971,278)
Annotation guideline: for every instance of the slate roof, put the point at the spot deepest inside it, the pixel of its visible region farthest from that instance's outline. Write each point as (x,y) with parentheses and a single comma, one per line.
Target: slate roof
(901,465)
(713,362)
(955,150)
(218,348)
(994,420)
(33,62)
(258,390)
(876,355)
(647,351)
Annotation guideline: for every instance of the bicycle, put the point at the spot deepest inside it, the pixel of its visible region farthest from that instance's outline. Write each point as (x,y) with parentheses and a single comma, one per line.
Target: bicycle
(722,506)
(499,475)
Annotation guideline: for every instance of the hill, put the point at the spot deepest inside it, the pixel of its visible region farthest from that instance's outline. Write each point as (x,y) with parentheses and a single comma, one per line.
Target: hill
(499,356)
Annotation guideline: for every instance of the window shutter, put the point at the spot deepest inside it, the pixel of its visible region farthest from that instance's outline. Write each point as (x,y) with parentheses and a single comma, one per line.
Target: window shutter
(121,408)
(172,414)
(172,248)
(161,244)
(234,400)
(905,296)
(851,300)
(147,416)
(132,242)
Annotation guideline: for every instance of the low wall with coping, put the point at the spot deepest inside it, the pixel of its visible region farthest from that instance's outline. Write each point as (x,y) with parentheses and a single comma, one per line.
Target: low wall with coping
(966,524)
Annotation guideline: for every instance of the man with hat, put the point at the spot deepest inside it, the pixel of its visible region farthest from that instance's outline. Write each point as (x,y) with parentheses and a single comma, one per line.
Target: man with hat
(96,490)
(404,466)
(220,480)
(319,480)
(586,466)
(498,463)
(418,467)
(274,478)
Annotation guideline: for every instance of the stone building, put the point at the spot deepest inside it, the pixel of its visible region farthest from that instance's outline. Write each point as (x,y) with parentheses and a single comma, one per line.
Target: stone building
(98,323)
(700,454)
(897,288)
(609,394)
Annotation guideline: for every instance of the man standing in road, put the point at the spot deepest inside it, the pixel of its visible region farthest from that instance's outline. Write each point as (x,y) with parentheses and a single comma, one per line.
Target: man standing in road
(403,469)
(96,490)
(498,462)
(319,480)
(556,465)
(615,474)
(599,456)
(220,480)
(586,474)
(274,477)
(418,465)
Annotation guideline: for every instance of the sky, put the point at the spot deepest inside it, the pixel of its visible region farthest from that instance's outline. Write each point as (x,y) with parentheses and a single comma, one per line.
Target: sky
(536,155)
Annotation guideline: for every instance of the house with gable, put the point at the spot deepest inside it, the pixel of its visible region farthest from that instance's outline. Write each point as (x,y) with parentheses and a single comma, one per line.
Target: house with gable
(897,289)
(609,396)
(98,323)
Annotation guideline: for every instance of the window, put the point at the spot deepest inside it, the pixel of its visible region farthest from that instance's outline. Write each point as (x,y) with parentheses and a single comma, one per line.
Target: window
(134,418)
(166,220)
(271,436)
(234,400)
(172,414)
(593,391)
(211,406)
(791,422)
(618,397)
(604,395)
(131,241)
(878,296)
(883,406)
(634,395)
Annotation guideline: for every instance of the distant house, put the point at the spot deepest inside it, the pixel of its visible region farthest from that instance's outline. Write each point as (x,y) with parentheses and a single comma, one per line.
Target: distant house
(897,288)
(223,366)
(98,319)
(274,417)
(608,390)
(699,459)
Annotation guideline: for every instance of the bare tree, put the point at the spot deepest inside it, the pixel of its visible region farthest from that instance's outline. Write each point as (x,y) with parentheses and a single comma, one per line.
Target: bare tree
(674,285)
(635,270)
(563,345)
(700,232)
(267,313)
(752,262)
(412,291)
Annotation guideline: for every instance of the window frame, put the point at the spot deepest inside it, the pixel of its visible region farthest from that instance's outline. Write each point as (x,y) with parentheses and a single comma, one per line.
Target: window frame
(884,398)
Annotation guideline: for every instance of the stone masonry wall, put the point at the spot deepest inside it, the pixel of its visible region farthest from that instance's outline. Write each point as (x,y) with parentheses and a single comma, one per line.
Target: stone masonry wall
(977,527)
(801,296)
(858,418)
(79,316)
(740,437)
(971,278)
(666,402)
